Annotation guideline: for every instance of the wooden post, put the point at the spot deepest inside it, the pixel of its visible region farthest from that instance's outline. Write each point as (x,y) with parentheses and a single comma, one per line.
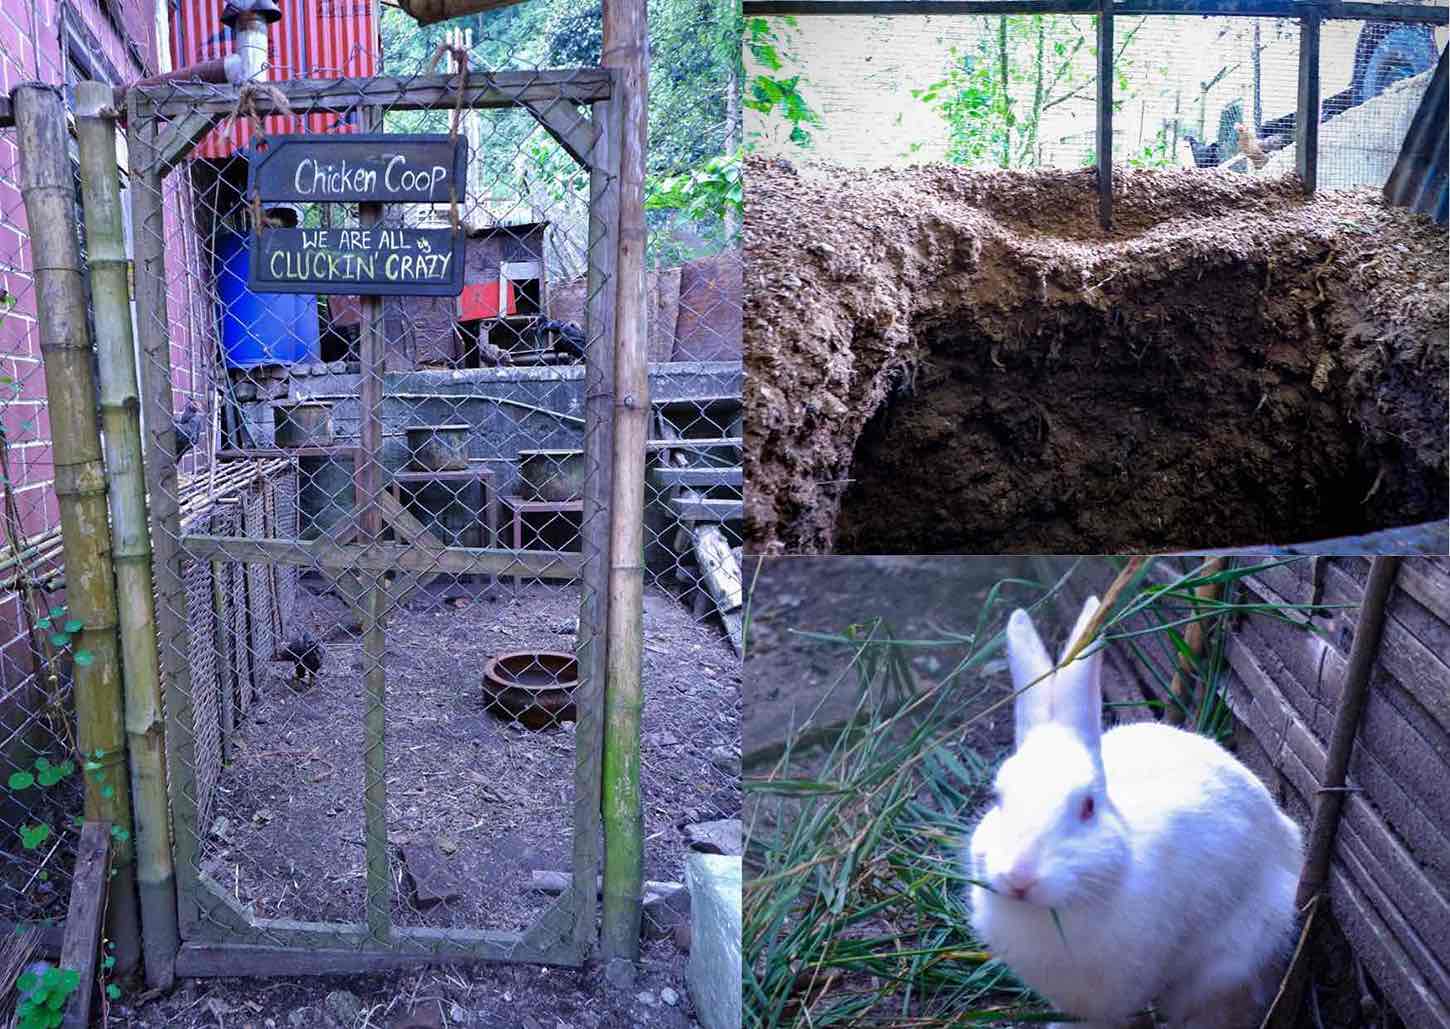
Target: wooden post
(1329,801)
(80,483)
(1306,120)
(163,499)
(626,50)
(1105,113)
(368,487)
(81,946)
(592,648)
(130,534)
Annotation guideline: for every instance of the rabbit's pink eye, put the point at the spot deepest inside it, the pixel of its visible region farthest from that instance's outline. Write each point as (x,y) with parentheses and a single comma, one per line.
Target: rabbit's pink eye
(1087,809)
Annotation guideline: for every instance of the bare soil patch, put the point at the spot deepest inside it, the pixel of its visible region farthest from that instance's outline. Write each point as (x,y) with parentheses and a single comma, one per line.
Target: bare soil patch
(950,360)
(492,800)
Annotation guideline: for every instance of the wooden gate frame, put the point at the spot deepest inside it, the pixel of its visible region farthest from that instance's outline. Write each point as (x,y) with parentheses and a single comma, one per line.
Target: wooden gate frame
(218,935)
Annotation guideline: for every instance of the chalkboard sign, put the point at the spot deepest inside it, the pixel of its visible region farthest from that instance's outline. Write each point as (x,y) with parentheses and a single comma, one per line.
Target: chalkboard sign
(382,168)
(376,261)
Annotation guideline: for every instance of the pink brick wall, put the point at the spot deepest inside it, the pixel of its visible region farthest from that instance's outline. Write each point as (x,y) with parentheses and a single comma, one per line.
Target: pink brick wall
(35,37)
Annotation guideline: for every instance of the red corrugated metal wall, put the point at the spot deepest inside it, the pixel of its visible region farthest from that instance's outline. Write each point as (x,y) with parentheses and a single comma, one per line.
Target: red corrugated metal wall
(316,39)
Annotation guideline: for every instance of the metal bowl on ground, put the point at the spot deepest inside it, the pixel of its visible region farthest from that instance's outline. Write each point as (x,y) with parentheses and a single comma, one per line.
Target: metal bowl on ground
(532,687)
(439,448)
(303,423)
(556,476)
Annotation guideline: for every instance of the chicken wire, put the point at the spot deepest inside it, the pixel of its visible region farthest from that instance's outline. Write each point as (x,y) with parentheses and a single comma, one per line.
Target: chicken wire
(484,414)
(229,690)
(1019,91)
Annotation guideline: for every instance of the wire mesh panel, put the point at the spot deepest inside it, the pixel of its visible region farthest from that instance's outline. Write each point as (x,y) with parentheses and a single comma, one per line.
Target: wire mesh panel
(412,600)
(202,668)
(1019,91)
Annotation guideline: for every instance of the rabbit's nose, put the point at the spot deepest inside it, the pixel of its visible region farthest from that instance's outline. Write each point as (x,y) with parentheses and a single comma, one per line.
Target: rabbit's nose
(1019,882)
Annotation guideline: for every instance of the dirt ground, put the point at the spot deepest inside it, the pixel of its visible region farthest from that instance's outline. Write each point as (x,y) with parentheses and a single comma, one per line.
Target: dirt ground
(947,360)
(488,798)
(788,673)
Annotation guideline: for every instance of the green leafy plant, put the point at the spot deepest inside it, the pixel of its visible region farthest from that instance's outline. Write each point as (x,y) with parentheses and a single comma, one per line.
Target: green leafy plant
(770,93)
(44,996)
(707,193)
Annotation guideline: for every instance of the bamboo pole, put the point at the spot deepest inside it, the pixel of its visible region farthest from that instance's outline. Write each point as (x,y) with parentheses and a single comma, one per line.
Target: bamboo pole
(80,486)
(130,536)
(626,50)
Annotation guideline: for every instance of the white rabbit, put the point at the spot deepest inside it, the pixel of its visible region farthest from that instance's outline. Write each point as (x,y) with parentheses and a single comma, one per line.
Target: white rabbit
(1169,867)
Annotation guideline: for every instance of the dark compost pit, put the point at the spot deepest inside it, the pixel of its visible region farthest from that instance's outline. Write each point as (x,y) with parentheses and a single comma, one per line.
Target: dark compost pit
(944,360)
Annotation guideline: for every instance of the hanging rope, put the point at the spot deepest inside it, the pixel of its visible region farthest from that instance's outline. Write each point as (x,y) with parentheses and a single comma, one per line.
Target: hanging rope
(246,109)
(460,61)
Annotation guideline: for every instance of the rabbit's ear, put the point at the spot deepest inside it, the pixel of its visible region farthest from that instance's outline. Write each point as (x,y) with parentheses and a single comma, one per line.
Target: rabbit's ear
(1028,659)
(1077,690)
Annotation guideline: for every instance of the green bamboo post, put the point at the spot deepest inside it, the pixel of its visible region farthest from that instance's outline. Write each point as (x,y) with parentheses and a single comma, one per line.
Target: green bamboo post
(626,49)
(130,537)
(80,486)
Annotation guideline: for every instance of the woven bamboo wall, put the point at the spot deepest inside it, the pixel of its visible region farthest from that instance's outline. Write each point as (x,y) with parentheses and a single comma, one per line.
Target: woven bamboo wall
(230,646)
(1389,883)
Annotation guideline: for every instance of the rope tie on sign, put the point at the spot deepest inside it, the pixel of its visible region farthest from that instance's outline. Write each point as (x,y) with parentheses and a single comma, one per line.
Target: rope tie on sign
(246,108)
(460,62)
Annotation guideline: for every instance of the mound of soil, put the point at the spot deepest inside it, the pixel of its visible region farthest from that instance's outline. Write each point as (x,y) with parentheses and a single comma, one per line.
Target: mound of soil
(950,360)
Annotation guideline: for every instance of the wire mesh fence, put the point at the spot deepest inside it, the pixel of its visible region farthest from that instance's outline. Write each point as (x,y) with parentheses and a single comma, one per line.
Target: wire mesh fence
(1019,91)
(380,555)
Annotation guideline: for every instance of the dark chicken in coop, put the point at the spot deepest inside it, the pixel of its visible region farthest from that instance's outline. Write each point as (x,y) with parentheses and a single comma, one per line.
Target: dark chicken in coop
(188,426)
(305,653)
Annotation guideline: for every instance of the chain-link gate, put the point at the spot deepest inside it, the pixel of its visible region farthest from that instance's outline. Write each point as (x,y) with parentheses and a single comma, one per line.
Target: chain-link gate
(402,544)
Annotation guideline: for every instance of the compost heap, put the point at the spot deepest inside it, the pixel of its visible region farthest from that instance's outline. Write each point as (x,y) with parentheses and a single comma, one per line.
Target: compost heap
(949,360)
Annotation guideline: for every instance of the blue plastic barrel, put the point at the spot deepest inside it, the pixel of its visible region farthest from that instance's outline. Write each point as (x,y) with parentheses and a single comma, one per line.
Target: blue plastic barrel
(261,328)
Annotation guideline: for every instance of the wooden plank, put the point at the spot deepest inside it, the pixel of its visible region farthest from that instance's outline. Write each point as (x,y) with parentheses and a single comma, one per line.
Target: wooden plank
(701,476)
(570,129)
(80,949)
(1419,668)
(1306,120)
(1429,584)
(591,644)
(1105,114)
(384,557)
(181,136)
(1358,911)
(1382,799)
(1368,849)
(687,443)
(416,948)
(698,509)
(391,92)
(1397,12)
(255,453)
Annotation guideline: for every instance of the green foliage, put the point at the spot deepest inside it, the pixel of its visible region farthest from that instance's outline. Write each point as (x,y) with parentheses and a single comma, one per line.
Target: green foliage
(999,91)
(1156,153)
(710,192)
(42,1005)
(32,836)
(770,93)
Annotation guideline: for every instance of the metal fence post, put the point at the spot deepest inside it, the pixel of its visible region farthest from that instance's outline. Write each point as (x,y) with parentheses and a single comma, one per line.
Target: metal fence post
(80,486)
(1306,121)
(1105,113)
